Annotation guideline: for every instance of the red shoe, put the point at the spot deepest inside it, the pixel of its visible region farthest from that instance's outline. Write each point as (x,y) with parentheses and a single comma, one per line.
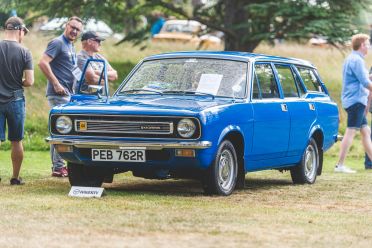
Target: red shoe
(64,172)
(60,172)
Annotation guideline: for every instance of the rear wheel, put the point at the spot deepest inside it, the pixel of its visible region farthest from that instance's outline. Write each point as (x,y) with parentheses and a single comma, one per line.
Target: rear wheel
(221,177)
(306,171)
(80,175)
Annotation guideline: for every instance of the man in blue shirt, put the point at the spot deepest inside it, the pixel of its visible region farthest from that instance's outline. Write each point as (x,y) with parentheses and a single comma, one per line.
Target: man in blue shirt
(158,24)
(58,63)
(356,88)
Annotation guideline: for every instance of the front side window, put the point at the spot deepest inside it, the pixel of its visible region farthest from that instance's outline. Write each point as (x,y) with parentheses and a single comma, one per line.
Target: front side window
(264,82)
(310,80)
(287,80)
(217,77)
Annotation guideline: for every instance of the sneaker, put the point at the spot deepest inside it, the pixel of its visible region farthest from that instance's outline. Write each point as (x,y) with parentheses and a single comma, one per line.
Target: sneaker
(367,168)
(60,172)
(16,181)
(344,169)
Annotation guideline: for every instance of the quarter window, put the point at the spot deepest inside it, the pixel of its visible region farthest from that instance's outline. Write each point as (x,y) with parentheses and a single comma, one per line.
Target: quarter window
(287,81)
(310,80)
(264,82)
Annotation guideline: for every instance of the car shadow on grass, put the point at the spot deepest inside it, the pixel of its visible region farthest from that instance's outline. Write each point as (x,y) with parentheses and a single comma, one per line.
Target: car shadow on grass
(138,186)
(157,187)
(257,184)
(186,188)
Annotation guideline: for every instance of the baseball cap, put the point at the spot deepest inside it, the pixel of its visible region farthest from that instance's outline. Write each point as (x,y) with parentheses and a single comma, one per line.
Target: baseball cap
(15,23)
(91,35)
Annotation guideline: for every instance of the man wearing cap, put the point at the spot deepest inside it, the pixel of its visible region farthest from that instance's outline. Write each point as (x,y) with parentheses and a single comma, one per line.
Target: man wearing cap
(91,45)
(58,63)
(15,63)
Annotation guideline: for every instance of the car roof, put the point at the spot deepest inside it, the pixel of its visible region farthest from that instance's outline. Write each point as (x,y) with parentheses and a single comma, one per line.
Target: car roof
(241,56)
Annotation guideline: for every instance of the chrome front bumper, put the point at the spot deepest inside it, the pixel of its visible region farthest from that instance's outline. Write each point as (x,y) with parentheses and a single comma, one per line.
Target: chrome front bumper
(120,145)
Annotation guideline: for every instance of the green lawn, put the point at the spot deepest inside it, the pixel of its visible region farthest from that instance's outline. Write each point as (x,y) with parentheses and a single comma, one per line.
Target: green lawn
(269,212)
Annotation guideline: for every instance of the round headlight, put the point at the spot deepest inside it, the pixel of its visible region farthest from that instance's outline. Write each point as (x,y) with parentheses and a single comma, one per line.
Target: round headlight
(63,124)
(186,128)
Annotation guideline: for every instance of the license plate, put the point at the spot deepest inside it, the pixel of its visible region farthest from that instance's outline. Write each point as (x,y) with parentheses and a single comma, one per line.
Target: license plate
(127,155)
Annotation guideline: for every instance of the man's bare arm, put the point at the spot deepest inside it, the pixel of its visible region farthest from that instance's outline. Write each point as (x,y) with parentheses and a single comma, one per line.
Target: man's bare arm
(29,78)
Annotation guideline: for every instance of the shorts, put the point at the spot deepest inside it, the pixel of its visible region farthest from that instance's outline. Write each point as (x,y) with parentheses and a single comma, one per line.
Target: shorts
(356,118)
(13,114)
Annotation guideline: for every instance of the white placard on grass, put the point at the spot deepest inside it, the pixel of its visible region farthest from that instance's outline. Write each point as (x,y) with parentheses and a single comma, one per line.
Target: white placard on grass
(86,192)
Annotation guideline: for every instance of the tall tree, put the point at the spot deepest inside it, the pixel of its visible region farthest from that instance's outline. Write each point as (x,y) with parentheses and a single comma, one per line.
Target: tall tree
(245,23)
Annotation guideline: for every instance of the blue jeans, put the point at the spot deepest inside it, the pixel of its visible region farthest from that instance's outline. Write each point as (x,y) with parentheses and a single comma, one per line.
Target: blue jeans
(13,114)
(367,161)
(57,161)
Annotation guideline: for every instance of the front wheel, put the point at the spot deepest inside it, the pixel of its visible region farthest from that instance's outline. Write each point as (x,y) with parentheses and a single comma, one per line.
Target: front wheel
(221,177)
(306,171)
(80,175)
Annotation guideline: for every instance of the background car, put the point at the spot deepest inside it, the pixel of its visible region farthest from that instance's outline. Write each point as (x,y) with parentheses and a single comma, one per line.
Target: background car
(58,24)
(187,31)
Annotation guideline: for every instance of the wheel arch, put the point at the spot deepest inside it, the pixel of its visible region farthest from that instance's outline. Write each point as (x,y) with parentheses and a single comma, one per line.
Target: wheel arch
(318,136)
(235,136)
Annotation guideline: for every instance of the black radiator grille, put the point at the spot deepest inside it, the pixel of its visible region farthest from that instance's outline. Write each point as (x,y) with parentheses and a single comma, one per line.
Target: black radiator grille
(125,126)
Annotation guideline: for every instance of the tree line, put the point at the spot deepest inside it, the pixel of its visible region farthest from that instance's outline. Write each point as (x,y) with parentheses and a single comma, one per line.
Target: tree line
(245,23)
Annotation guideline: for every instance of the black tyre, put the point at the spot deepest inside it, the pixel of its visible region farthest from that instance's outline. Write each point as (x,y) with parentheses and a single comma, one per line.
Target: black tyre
(80,175)
(221,177)
(306,171)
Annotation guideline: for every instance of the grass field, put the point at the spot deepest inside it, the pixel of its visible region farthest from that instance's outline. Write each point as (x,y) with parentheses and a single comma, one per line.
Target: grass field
(270,212)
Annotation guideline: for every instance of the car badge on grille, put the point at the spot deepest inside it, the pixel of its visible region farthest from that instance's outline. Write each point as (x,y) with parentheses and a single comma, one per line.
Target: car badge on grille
(150,128)
(82,125)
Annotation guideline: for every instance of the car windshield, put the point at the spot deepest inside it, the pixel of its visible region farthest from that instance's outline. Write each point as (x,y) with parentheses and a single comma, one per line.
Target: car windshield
(198,76)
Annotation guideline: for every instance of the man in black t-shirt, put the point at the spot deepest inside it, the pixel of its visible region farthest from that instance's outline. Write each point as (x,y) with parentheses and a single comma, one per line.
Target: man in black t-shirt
(15,64)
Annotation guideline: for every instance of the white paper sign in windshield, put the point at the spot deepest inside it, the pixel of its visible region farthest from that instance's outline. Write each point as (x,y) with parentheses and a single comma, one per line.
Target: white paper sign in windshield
(209,83)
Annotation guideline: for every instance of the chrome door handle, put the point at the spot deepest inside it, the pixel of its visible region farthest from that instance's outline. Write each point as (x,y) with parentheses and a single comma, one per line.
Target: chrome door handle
(284,107)
(312,106)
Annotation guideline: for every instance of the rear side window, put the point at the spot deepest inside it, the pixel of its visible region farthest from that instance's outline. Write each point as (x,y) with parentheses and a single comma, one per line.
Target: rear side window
(310,80)
(287,80)
(264,82)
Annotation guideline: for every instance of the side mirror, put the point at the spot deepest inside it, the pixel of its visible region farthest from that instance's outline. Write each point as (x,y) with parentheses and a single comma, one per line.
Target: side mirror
(95,89)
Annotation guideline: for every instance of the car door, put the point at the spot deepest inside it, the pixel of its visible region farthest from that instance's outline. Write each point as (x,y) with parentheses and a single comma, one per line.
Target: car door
(271,118)
(302,111)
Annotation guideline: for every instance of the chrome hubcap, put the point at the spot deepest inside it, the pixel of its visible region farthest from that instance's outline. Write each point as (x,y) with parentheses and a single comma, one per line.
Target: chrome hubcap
(310,162)
(226,170)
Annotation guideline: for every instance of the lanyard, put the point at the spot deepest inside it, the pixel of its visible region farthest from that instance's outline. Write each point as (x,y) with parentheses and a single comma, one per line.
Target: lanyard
(71,50)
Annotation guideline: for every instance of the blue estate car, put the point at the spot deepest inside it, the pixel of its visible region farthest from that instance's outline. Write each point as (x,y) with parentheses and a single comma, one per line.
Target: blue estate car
(210,116)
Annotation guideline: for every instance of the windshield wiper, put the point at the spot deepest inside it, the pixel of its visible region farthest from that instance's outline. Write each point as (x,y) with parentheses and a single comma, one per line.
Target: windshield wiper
(187,92)
(139,90)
